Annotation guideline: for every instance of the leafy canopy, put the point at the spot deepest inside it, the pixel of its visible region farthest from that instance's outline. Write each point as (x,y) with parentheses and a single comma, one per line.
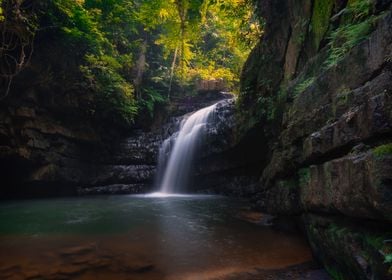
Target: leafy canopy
(133,53)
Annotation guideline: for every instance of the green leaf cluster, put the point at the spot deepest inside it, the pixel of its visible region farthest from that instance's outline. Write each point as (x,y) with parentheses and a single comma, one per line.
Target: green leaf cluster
(96,31)
(358,22)
(211,41)
(131,53)
(1,11)
(115,98)
(301,87)
(383,150)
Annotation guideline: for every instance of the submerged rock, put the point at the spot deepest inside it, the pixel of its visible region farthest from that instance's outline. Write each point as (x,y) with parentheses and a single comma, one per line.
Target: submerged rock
(114,189)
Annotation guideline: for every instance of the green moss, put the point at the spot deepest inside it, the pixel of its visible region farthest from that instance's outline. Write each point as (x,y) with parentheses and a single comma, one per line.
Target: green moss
(341,100)
(320,20)
(282,95)
(342,97)
(328,185)
(383,150)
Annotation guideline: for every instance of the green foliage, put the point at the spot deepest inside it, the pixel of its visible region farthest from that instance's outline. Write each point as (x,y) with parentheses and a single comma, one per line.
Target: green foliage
(18,26)
(301,87)
(304,176)
(383,150)
(370,242)
(129,52)
(78,24)
(266,107)
(342,99)
(1,11)
(374,241)
(334,273)
(343,95)
(356,28)
(378,242)
(337,232)
(151,97)
(357,10)
(211,42)
(88,28)
(115,94)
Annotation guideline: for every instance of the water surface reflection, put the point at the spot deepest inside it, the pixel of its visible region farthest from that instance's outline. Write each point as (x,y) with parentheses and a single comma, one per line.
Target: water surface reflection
(137,237)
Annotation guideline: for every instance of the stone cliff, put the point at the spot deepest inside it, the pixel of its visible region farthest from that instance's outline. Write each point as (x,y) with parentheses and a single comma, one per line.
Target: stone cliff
(319,87)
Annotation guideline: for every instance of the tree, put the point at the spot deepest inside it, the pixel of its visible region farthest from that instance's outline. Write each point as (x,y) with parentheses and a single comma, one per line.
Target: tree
(17,31)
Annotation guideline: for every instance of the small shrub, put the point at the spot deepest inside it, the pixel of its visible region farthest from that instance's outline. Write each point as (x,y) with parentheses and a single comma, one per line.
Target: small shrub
(345,38)
(151,97)
(383,150)
(358,24)
(114,94)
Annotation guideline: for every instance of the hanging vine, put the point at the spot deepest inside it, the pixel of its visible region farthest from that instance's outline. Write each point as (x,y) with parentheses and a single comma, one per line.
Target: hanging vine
(18,25)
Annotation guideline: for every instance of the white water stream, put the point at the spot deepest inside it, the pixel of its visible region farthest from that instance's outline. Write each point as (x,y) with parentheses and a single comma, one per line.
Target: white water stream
(177,152)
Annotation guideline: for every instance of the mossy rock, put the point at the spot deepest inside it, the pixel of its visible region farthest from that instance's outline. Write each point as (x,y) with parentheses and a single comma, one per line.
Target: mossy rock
(319,25)
(349,250)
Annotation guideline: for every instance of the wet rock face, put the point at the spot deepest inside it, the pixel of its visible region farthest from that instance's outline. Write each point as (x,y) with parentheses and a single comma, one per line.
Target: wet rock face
(226,164)
(356,185)
(41,155)
(349,250)
(220,133)
(113,189)
(180,105)
(37,149)
(328,129)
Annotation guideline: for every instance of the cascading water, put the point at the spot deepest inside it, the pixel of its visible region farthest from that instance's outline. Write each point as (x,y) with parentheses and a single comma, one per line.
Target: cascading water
(177,152)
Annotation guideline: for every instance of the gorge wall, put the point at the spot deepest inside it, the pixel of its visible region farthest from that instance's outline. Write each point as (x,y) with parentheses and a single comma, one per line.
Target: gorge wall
(319,86)
(310,135)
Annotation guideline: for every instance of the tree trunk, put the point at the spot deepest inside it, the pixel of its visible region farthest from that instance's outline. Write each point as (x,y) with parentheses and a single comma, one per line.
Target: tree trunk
(173,66)
(140,68)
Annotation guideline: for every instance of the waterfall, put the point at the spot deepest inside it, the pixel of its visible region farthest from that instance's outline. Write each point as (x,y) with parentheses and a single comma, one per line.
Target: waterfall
(177,151)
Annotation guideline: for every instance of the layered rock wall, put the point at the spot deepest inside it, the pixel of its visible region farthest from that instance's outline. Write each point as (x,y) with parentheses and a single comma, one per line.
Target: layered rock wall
(324,103)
